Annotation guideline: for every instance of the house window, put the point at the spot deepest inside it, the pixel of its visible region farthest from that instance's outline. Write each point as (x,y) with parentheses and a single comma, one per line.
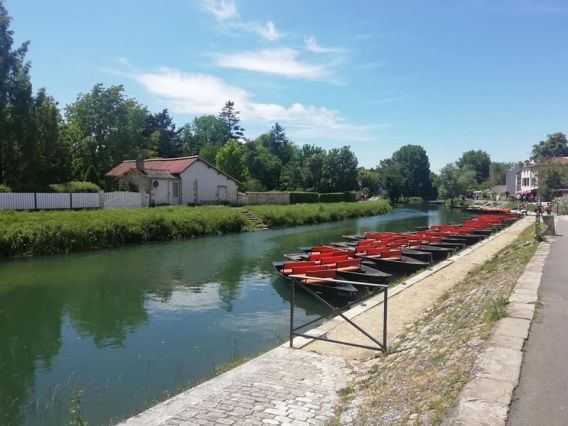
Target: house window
(175,189)
(525,181)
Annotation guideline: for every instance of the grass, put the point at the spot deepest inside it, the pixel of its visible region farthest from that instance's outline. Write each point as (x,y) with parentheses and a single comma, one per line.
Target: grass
(419,381)
(52,232)
(306,214)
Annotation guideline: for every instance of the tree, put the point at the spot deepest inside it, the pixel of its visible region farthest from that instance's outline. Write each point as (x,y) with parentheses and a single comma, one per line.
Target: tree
(555,145)
(106,128)
(478,161)
(204,130)
(209,152)
(262,164)
(370,179)
(55,155)
(312,160)
(164,137)
(551,177)
(454,181)
(16,103)
(498,173)
(229,116)
(231,159)
(278,143)
(407,173)
(340,170)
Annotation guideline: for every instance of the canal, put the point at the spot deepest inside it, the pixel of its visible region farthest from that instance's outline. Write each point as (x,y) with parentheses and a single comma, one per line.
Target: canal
(118,330)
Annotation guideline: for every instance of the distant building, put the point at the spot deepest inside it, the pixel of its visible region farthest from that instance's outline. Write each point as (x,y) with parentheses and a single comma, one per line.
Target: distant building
(523,178)
(184,180)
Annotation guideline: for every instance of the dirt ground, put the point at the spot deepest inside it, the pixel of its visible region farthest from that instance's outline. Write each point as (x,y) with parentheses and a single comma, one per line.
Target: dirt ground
(405,307)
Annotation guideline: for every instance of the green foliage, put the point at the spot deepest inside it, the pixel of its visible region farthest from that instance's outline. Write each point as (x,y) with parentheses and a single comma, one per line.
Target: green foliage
(332,197)
(5,188)
(304,197)
(349,196)
(304,214)
(162,132)
(206,130)
(74,187)
(105,128)
(50,232)
(561,205)
(406,173)
(495,309)
(454,181)
(76,416)
(278,144)
(410,200)
(479,161)
(340,170)
(370,179)
(231,159)
(551,177)
(555,145)
(262,164)
(229,117)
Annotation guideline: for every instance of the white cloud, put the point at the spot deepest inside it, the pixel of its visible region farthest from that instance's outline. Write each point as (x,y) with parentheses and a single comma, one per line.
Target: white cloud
(266,31)
(273,61)
(313,46)
(222,10)
(205,94)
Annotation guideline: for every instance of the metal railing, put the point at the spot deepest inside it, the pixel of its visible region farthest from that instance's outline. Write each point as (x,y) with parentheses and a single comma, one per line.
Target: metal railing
(296,281)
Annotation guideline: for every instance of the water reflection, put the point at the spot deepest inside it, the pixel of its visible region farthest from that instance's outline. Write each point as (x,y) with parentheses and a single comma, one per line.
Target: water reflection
(127,324)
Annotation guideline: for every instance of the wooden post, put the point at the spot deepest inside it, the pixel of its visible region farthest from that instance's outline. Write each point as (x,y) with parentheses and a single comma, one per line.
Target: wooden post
(70,200)
(35,200)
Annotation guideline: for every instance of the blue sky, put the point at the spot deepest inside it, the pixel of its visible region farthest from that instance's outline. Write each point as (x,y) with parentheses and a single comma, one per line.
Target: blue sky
(448,75)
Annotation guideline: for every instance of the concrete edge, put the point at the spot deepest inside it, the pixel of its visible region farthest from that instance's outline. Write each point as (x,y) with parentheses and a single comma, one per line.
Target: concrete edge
(486,397)
(374,301)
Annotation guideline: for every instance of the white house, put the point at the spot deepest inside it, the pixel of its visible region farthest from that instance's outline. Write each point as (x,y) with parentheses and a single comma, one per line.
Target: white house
(184,180)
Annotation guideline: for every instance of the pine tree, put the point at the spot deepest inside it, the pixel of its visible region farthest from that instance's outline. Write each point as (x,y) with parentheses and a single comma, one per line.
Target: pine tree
(279,144)
(229,116)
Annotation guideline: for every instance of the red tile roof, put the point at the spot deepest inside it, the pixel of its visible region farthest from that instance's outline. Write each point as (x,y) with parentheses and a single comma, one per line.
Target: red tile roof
(173,165)
(559,160)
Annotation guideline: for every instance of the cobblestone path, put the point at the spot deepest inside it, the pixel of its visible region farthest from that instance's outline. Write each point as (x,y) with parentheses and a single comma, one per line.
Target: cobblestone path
(282,387)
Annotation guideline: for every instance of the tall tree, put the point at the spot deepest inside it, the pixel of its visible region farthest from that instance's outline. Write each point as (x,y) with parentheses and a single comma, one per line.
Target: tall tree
(412,166)
(231,159)
(454,181)
(369,178)
(15,104)
(204,130)
(106,128)
(164,136)
(262,164)
(555,145)
(229,116)
(478,161)
(340,167)
(278,143)
(550,178)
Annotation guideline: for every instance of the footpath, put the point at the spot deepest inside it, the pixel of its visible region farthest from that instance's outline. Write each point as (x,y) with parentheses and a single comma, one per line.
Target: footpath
(299,387)
(541,398)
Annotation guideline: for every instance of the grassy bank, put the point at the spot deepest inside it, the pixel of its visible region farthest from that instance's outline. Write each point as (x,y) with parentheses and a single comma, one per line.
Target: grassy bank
(420,377)
(38,233)
(51,232)
(305,214)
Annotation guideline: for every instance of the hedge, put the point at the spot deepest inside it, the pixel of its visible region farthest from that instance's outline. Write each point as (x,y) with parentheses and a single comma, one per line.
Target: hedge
(332,197)
(304,197)
(74,187)
(5,188)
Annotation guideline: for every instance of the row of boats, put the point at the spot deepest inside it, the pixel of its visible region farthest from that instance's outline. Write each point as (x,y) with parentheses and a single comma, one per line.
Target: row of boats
(359,261)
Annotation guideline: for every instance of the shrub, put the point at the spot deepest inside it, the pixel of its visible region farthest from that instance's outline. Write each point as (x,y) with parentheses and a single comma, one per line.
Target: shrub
(350,196)
(304,197)
(74,187)
(561,205)
(332,197)
(5,188)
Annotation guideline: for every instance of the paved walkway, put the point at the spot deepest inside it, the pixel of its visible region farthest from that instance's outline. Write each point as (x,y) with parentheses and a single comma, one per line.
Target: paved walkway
(541,397)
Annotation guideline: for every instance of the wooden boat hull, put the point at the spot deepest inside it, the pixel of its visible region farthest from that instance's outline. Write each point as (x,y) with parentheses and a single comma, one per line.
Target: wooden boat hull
(403,266)
(418,254)
(437,252)
(346,291)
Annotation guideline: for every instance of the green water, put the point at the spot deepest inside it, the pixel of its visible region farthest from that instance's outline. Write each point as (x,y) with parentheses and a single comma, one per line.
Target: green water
(130,326)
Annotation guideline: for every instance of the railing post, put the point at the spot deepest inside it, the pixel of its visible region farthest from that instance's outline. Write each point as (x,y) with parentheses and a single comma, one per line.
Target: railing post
(292,303)
(385,303)
(70,200)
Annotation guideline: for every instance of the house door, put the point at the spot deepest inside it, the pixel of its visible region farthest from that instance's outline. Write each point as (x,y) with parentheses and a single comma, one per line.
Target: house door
(222,191)
(176,192)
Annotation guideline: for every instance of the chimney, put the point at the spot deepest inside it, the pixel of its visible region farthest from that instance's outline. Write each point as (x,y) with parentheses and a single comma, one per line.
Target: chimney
(140,162)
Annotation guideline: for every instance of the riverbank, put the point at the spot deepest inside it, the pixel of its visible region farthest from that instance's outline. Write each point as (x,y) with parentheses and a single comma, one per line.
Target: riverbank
(287,386)
(53,232)
(433,356)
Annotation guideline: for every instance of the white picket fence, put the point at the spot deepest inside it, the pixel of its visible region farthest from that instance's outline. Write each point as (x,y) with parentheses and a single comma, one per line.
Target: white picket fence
(78,200)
